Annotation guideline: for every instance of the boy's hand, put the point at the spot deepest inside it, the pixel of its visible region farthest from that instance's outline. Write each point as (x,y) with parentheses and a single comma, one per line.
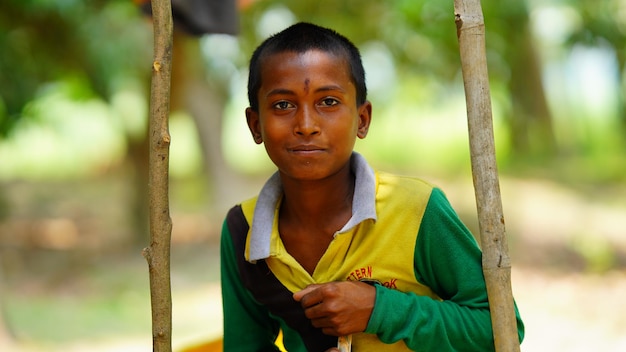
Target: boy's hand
(338,308)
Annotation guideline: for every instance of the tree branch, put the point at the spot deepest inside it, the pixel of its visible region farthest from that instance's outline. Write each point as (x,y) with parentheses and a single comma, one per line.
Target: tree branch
(496,262)
(158,253)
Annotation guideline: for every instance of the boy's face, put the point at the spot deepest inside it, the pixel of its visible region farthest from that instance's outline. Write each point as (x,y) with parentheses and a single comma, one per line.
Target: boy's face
(307,116)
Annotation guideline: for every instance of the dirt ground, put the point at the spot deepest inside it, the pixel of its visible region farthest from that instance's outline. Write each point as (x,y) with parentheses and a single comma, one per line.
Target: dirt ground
(568,248)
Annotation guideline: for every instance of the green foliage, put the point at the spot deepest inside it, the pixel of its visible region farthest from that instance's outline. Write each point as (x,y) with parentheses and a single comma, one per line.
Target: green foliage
(47,41)
(92,50)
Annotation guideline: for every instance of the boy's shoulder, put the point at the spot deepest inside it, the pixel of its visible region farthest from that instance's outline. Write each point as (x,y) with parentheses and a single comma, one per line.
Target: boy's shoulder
(247,207)
(403,188)
(384,179)
(403,184)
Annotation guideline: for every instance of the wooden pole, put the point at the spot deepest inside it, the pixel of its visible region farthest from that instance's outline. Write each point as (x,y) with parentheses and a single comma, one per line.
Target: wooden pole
(158,253)
(496,262)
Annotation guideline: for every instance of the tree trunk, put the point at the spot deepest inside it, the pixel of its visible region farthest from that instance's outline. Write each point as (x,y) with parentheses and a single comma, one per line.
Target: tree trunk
(531,121)
(496,262)
(204,100)
(621,99)
(158,253)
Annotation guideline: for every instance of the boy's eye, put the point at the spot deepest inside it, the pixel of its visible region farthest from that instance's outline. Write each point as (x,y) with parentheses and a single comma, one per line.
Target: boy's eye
(329,102)
(283,105)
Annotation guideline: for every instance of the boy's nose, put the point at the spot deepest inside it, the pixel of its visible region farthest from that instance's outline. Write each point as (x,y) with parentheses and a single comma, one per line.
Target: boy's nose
(306,122)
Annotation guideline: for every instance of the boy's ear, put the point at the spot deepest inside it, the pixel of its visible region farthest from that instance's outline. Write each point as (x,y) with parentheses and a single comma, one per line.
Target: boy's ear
(252,117)
(365,118)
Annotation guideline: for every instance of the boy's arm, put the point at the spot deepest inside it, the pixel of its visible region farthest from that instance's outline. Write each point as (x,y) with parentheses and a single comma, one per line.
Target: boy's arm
(448,260)
(247,324)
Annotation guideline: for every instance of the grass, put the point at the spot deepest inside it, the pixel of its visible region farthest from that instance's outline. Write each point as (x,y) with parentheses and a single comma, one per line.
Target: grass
(107,298)
(59,318)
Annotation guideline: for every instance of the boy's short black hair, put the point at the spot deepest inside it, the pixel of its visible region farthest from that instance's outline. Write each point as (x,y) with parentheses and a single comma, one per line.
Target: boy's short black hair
(302,37)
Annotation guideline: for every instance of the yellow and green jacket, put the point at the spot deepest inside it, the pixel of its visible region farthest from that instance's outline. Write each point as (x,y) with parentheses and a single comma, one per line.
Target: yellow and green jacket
(403,235)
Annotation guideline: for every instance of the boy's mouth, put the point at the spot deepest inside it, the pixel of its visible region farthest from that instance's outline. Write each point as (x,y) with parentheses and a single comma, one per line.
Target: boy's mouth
(306,148)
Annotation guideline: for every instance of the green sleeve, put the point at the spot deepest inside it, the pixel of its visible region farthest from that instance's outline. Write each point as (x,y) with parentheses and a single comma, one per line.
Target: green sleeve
(247,324)
(448,260)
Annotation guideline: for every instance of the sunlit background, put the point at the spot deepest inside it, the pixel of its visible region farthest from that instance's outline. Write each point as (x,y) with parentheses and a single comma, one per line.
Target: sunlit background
(74,95)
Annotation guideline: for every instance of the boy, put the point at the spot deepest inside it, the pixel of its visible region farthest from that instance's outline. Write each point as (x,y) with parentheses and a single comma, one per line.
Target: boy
(329,247)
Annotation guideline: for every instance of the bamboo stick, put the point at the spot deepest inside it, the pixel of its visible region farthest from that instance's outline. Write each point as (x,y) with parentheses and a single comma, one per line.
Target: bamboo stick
(496,262)
(158,253)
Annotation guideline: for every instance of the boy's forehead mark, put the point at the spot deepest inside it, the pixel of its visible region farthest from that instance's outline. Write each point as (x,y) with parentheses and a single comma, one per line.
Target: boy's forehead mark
(306,85)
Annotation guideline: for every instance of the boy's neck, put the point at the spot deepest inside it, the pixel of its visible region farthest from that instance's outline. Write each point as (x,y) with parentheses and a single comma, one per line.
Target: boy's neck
(312,212)
(319,203)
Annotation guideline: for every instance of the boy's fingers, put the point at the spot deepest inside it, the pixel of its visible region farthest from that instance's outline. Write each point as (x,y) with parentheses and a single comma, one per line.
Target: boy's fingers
(298,295)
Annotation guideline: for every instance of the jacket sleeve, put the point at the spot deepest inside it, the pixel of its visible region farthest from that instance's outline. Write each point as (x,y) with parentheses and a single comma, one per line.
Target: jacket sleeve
(247,324)
(448,260)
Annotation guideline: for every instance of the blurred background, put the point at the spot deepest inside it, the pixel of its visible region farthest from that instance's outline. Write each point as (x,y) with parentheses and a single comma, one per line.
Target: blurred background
(74,102)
